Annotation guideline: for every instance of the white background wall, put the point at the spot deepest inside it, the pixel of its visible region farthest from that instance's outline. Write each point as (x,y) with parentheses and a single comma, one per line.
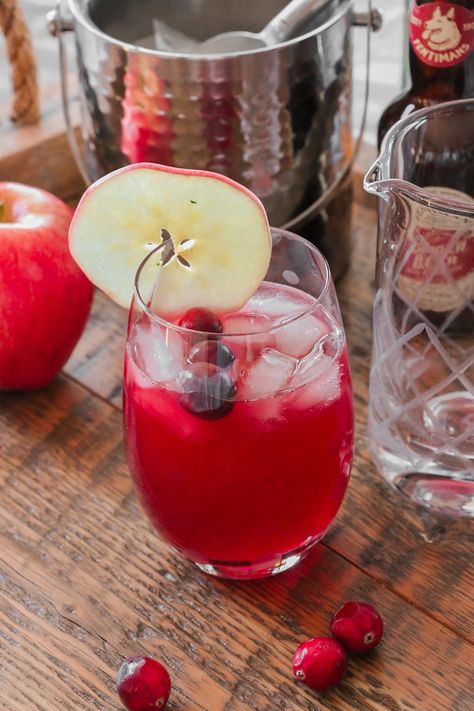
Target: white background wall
(387,62)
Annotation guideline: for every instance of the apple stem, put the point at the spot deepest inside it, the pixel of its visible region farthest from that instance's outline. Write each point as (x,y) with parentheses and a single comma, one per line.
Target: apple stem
(2,210)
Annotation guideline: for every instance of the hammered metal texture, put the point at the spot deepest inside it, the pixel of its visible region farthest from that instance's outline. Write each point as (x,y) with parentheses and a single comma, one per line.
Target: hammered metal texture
(277,121)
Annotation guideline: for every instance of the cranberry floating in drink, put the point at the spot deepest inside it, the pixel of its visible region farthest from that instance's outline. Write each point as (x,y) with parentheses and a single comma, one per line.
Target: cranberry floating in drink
(239,437)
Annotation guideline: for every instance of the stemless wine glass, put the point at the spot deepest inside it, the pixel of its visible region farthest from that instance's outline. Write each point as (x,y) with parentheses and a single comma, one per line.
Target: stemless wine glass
(240,443)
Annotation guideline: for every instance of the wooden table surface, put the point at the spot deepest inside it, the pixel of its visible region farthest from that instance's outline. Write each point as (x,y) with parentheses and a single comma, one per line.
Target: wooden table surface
(85,582)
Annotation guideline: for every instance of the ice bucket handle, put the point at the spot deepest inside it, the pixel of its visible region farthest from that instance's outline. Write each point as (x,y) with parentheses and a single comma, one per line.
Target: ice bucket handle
(372,20)
(58,24)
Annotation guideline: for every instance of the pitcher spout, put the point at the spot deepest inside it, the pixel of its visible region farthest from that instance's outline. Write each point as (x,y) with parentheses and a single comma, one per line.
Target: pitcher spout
(374,182)
(372,178)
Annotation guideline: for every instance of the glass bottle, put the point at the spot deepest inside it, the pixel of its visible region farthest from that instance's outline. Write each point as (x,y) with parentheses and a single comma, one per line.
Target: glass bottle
(441,60)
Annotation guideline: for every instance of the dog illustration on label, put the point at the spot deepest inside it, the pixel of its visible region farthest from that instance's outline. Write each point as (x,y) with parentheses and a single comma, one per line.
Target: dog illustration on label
(441,31)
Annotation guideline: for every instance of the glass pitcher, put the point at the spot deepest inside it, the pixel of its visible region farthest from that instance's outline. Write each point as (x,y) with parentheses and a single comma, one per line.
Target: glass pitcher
(421,402)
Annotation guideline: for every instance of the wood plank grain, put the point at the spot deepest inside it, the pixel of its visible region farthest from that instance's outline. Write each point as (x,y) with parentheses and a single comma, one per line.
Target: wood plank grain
(80,545)
(97,361)
(48,165)
(84,582)
(376,529)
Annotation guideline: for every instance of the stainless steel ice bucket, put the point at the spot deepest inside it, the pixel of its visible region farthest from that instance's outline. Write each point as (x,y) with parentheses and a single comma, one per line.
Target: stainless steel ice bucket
(276,119)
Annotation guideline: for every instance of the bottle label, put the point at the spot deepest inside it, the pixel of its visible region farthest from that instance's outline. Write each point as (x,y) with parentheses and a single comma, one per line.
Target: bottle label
(441,33)
(438,257)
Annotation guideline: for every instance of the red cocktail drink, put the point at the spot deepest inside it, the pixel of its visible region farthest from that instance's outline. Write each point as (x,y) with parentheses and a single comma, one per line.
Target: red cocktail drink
(242,463)
(237,395)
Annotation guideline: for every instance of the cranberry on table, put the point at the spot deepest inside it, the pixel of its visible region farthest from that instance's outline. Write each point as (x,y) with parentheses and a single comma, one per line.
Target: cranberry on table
(358,626)
(320,662)
(206,390)
(143,684)
(199,319)
(211,351)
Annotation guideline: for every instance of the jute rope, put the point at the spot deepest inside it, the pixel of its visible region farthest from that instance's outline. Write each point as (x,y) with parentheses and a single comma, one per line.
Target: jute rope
(23,65)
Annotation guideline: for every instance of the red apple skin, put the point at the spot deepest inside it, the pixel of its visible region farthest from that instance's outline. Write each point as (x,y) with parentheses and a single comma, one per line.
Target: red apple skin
(45,298)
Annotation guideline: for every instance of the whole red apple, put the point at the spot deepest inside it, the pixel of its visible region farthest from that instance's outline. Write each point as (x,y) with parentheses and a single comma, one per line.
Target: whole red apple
(44,297)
